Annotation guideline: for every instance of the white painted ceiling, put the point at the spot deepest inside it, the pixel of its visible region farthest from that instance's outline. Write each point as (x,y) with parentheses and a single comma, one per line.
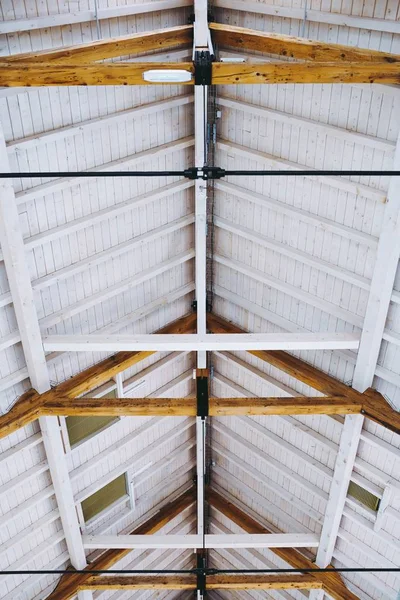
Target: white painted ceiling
(294,254)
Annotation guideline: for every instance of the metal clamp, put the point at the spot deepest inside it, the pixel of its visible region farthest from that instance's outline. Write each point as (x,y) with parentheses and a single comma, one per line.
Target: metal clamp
(202,67)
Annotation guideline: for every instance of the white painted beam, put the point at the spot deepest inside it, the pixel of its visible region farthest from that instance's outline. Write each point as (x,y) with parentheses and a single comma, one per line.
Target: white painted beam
(101,257)
(129,319)
(196,342)
(309,124)
(387,260)
(114,119)
(337,495)
(85,16)
(317,16)
(274,162)
(268,540)
(293,252)
(291,290)
(374,324)
(19,279)
(22,294)
(298,214)
(132,161)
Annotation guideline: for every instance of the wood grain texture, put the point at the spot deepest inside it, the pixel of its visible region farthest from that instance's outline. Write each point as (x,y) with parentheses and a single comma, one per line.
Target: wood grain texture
(377,409)
(31,405)
(69,585)
(224,73)
(218,407)
(286,362)
(302,405)
(262,582)
(160,39)
(295,47)
(49,74)
(372,402)
(214,582)
(170,582)
(331,582)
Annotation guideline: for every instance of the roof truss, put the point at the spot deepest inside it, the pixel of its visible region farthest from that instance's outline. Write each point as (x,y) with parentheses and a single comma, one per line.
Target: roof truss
(75,65)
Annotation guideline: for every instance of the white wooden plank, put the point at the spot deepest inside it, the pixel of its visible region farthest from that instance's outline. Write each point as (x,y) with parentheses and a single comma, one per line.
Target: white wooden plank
(197,342)
(387,260)
(268,540)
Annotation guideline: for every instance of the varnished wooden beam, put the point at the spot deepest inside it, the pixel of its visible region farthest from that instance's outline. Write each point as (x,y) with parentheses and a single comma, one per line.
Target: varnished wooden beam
(159,39)
(214,582)
(374,406)
(295,47)
(331,582)
(48,74)
(218,407)
(69,585)
(31,405)
(170,582)
(291,365)
(290,72)
(262,582)
(377,409)
(54,74)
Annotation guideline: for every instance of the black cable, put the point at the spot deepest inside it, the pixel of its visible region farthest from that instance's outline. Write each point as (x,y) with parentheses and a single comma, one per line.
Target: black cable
(206,571)
(308,173)
(184,173)
(33,174)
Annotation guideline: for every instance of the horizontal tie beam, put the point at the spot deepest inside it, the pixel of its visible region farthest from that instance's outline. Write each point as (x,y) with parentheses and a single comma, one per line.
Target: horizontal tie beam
(268,540)
(198,342)
(214,582)
(218,407)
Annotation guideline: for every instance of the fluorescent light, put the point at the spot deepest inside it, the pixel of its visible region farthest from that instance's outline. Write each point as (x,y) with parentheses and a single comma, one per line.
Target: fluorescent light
(167,76)
(232,59)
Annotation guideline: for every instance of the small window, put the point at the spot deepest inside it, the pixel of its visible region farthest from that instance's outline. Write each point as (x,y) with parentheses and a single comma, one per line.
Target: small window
(81,428)
(104,497)
(363,496)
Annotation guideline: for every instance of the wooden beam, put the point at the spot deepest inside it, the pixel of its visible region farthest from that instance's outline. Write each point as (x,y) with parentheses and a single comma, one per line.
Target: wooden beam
(262,582)
(218,407)
(295,47)
(69,585)
(291,365)
(377,409)
(214,582)
(160,39)
(285,72)
(48,74)
(374,405)
(43,74)
(30,405)
(171,582)
(331,582)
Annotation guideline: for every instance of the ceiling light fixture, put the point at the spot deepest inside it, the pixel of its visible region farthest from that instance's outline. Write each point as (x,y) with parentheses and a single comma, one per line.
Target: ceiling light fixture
(167,76)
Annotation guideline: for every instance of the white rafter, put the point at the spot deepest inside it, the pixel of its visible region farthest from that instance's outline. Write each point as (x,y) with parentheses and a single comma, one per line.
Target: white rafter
(374,324)
(25,311)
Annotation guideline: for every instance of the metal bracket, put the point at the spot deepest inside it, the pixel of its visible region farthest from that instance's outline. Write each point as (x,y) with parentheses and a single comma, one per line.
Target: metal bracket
(206,173)
(202,67)
(201,576)
(202,394)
